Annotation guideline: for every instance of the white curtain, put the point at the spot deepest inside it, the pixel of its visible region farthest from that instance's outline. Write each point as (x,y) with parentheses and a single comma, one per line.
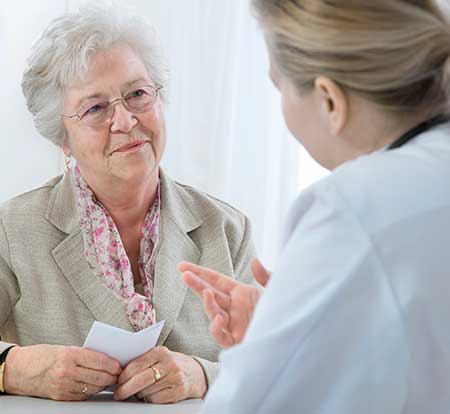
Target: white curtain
(26,159)
(226,135)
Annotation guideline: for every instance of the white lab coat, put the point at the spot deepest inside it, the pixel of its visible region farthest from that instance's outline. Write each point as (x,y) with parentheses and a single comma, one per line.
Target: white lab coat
(356,317)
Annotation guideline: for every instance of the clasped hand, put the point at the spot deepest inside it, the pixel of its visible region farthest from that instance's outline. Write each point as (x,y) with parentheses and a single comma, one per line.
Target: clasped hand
(66,373)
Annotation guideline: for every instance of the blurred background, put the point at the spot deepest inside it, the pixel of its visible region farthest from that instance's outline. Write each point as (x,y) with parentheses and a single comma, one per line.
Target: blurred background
(226,134)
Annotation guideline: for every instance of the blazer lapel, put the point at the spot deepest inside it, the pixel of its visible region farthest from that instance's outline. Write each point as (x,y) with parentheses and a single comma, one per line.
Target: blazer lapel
(69,256)
(103,304)
(174,246)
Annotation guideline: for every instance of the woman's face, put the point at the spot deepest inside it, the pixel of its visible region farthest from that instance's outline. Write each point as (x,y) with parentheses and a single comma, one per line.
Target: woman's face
(122,147)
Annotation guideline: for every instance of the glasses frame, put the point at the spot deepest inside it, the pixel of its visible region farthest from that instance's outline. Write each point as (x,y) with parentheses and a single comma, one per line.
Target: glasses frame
(156,87)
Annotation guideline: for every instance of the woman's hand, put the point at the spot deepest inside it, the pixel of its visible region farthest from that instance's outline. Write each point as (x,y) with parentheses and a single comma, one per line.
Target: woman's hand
(228,303)
(63,373)
(182,377)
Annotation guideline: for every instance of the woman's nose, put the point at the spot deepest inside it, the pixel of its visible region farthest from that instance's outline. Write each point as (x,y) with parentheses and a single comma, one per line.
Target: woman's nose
(122,120)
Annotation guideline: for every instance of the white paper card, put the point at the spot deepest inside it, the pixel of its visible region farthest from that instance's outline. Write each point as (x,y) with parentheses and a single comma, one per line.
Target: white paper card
(120,344)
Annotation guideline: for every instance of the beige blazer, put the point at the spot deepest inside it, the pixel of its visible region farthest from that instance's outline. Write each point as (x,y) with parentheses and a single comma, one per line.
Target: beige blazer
(49,295)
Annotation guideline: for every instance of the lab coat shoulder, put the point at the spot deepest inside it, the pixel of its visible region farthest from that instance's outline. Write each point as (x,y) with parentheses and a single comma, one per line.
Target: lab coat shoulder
(388,187)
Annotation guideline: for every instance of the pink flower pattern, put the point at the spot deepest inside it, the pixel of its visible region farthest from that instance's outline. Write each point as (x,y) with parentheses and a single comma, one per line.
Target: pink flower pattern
(107,258)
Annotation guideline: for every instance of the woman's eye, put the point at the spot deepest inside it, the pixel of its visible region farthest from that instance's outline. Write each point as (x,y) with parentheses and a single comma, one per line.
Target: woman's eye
(137,93)
(94,109)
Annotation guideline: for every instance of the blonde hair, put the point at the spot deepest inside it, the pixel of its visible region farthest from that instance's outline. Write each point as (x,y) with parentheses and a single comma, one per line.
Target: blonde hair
(394,53)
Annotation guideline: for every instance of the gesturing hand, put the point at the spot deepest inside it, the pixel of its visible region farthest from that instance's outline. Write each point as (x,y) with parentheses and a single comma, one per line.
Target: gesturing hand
(228,303)
(62,373)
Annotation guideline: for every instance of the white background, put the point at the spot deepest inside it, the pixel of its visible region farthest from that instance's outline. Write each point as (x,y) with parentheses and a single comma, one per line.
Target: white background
(226,135)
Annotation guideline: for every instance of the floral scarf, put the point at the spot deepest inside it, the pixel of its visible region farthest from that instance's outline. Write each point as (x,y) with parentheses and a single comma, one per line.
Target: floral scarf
(108,259)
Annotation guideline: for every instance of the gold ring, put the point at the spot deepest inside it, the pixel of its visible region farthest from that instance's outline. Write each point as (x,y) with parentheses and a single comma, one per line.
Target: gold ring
(156,374)
(84,389)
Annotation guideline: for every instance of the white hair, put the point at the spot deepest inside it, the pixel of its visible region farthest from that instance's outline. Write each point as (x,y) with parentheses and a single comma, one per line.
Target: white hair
(61,56)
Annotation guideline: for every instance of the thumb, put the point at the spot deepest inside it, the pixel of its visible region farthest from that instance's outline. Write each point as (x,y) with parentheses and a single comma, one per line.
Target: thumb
(260,273)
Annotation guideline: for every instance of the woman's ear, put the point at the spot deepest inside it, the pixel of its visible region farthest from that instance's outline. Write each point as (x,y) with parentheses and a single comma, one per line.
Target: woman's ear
(334,105)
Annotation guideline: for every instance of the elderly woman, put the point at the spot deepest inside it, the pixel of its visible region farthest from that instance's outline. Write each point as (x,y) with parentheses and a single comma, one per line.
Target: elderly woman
(355,318)
(102,241)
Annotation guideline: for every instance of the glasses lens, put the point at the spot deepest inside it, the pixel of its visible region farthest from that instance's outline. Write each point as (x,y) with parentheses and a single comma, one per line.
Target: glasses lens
(141,99)
(95,114)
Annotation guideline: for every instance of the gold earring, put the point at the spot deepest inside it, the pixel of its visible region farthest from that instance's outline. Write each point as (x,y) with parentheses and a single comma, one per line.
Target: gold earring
(67,160)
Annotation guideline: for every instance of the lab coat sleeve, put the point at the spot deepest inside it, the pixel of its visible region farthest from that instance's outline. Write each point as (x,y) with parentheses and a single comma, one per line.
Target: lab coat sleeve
(327,337)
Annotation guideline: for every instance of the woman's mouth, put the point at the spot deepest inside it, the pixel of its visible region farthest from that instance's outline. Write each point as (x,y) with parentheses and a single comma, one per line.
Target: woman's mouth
(131,147)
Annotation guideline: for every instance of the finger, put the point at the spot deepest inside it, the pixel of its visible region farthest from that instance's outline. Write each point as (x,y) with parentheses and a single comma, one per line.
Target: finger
(95,378)
(134,385)
(260,273)
(99,361)
(142,363)
(134,367)
(166,396)
(153,389)
(84,391)
(166,381)
(217,280)
(212,309)
(219,332)
(199,286)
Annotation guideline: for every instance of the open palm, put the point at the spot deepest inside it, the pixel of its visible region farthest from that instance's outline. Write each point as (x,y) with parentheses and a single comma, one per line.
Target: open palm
(228,303)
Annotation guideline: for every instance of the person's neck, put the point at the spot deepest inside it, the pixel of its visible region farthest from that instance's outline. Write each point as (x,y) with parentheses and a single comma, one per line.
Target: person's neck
(394,131)
(374,132)
(127,202)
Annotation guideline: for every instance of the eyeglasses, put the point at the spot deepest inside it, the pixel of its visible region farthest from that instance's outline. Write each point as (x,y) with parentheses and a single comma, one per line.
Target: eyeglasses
(139,100)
